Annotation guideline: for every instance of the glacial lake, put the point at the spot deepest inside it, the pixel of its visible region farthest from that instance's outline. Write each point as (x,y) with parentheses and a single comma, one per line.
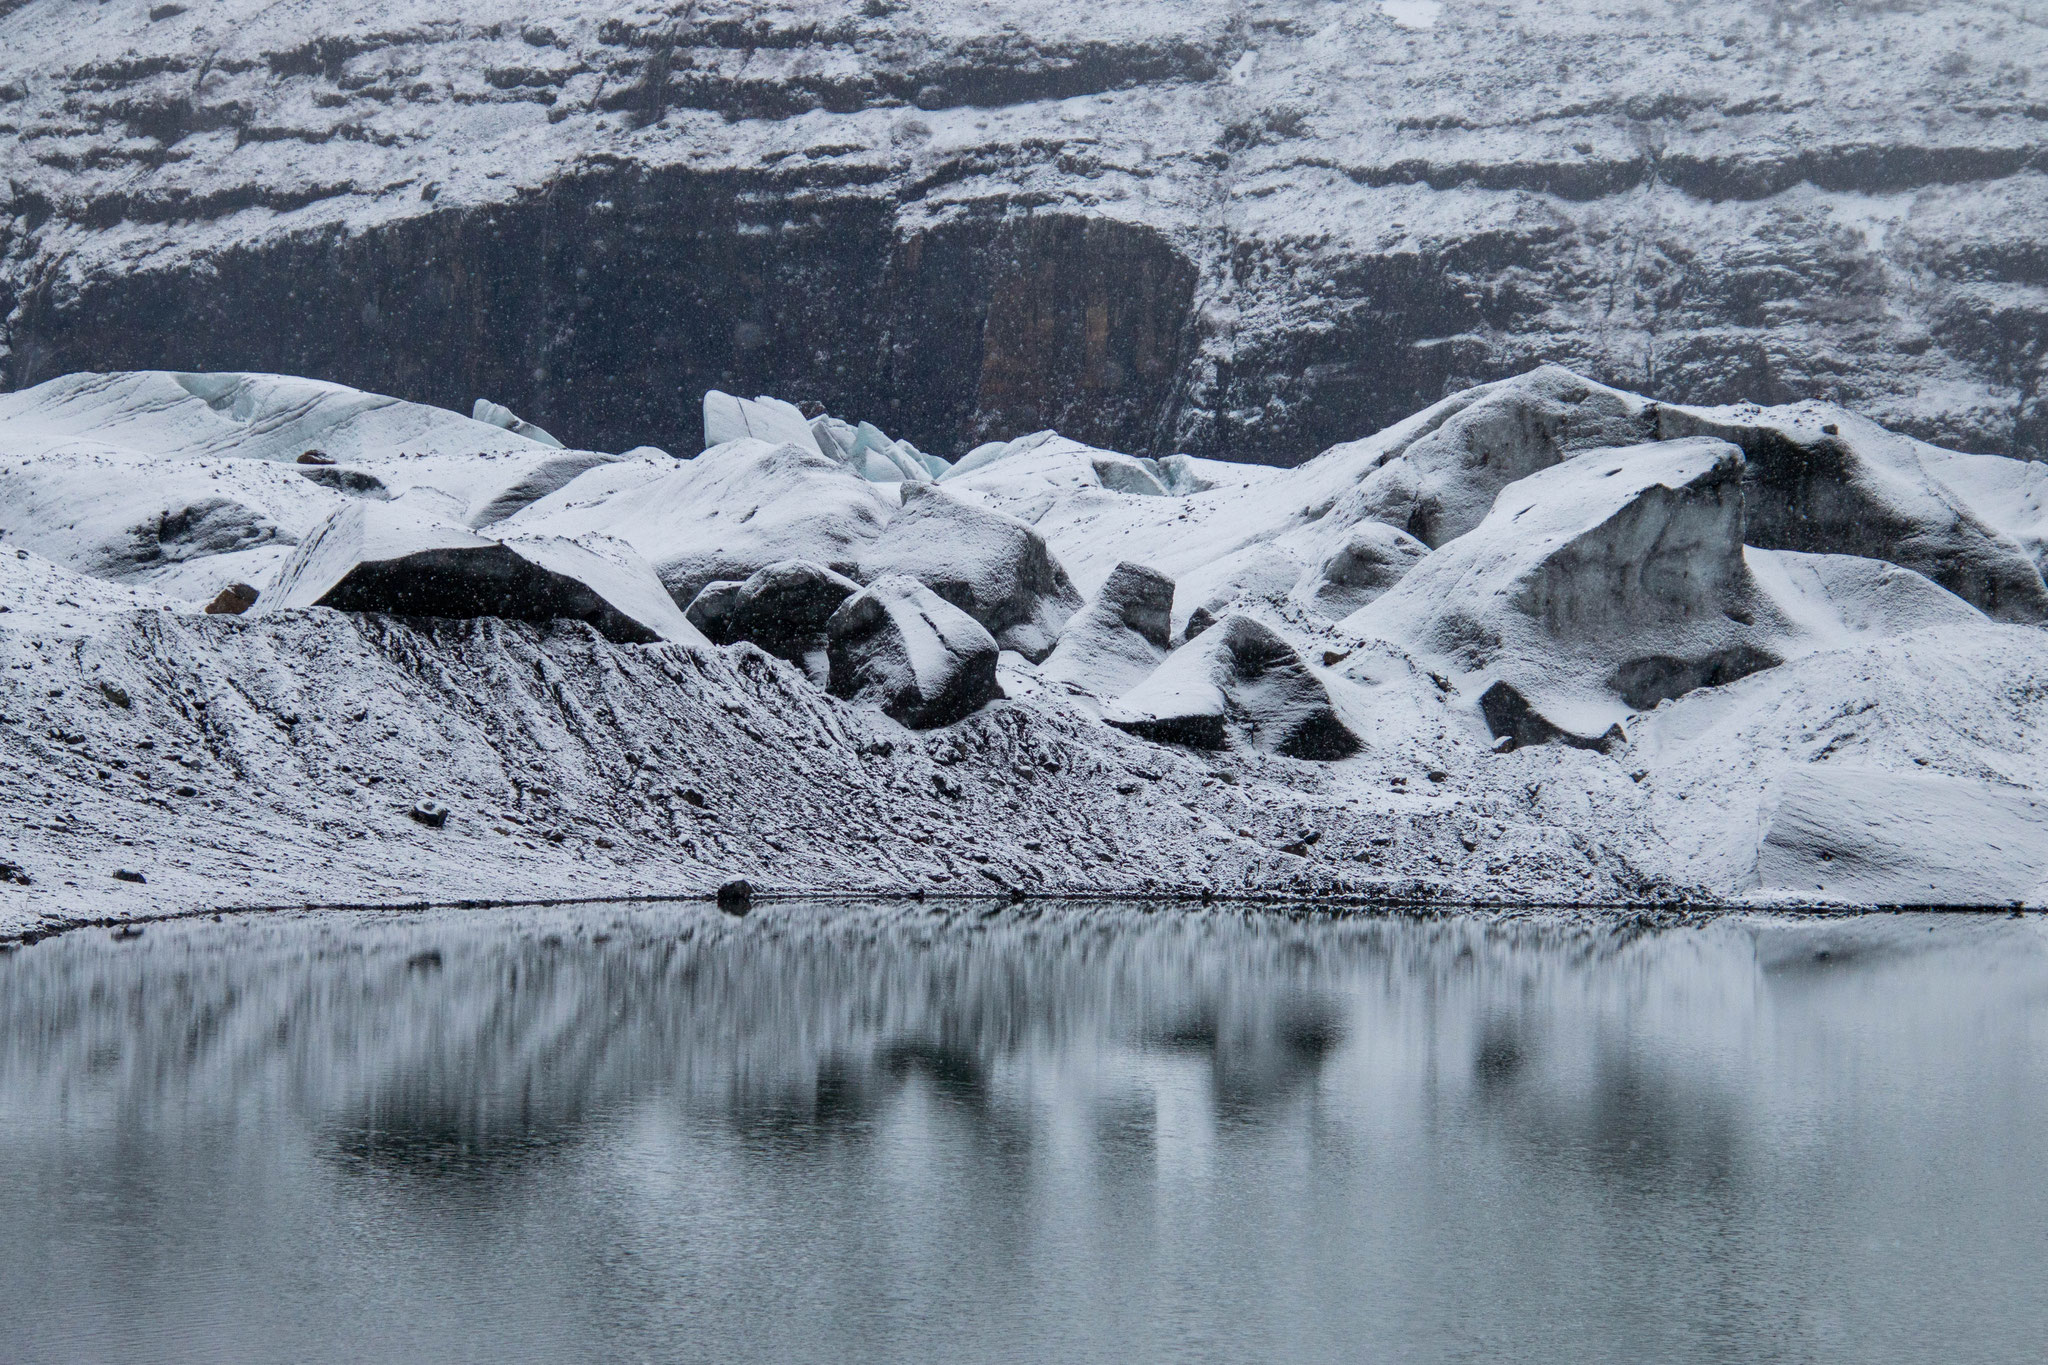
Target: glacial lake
(853,1133)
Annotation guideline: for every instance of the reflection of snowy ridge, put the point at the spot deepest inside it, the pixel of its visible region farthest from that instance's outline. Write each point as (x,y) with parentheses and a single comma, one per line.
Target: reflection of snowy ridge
(1614,648)
(750,1017)
(1219,227)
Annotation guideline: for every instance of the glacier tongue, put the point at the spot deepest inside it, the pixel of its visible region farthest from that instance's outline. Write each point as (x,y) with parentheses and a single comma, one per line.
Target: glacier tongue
(1095,671)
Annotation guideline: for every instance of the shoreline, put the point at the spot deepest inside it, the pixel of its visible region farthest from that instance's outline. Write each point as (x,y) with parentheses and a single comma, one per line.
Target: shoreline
(1653,916)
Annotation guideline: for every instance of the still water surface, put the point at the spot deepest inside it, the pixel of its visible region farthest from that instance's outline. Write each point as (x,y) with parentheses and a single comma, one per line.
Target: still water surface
(850,1134)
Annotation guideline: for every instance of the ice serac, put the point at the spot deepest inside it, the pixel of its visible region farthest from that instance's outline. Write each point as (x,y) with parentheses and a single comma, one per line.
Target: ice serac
(1112,644)
(1239,676)
(994,567)
(1887,838)
(736,508)
(876,457)
(834,437)
(784,609)
(396,559)
(498,415)
(727,418)
(897,643)
(1593,587)
(1826,481)
(1443,484)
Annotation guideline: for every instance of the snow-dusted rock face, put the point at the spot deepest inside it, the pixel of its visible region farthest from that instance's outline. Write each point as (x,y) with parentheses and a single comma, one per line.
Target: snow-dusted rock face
(923,660)
(1111,645)
(394,558)
(1242,677)
(1227,228)
(992,566)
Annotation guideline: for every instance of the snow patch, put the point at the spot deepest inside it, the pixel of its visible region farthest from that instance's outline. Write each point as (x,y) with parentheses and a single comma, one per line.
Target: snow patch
(1417,16)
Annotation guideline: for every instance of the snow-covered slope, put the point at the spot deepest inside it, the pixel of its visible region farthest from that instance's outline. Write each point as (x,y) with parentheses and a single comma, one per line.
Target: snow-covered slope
(1602,690)
(1245,229)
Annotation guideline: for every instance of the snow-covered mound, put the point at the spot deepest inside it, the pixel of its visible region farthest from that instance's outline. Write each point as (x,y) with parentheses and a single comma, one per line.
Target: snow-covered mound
(394,558)
(994,567)
(1483,652)
(190,482)
(1830,482)
(1120,637)
(1239,676)
(1596,587)
(919,657)
(1443,484)
(1864,836)
(736,508)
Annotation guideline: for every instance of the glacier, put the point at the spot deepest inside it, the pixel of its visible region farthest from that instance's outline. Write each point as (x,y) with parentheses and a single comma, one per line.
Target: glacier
(1645,654)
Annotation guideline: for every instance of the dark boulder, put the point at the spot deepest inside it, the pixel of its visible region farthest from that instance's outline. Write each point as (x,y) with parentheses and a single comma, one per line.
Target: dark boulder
(233,600)
(784,607)
(710,610)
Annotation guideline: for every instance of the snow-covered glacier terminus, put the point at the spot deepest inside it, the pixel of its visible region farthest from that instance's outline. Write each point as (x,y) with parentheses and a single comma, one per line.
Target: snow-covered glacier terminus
(1418,450)
(269,639)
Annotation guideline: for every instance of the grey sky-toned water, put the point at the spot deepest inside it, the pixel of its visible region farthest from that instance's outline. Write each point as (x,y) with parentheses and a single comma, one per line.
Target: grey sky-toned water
(1080,1133)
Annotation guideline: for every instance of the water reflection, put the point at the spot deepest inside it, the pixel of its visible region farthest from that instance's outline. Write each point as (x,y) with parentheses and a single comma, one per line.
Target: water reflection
(1057,1133)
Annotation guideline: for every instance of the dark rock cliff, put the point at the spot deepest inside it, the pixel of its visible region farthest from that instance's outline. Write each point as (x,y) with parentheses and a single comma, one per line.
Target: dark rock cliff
(1246,230)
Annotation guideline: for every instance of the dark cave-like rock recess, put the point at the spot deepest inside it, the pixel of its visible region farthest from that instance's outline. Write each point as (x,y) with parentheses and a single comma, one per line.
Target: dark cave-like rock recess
(604,308)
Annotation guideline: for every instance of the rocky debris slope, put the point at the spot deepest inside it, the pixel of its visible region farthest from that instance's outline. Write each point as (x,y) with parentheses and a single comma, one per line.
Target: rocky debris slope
(1235,229)
(233,761)
(1604,688)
